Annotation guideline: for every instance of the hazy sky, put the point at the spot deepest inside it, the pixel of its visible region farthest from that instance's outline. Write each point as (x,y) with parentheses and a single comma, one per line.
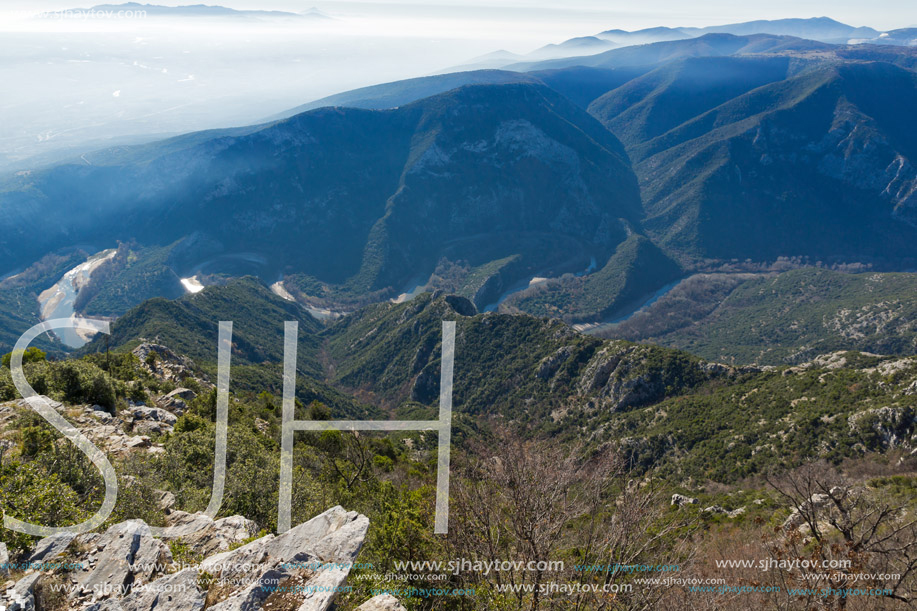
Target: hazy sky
(74,84)
(569,16)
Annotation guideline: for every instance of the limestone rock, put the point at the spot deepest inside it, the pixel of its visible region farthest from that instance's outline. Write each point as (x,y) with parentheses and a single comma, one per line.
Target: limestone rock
(165,364)
(166,500)
(49,548)
(383,602)
(21,597)
(4,561)
(314,558)
(153,414)
(177,400)
(550,364)
(123,557)
(126,569)
(176,592)
(680,499)
(206,536)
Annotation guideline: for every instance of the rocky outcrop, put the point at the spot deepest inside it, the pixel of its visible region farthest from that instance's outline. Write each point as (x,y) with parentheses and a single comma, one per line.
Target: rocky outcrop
(151,420)
(109,432)
(312,559)
(177,400)
(122,558)
(21,597)
(461,305)
(812,507)
(383,602)
(623,375)
(176,592)
(125,568)
(164,364)
(550,364)
(679,499)
(885,427)
(206,536)
(49,548)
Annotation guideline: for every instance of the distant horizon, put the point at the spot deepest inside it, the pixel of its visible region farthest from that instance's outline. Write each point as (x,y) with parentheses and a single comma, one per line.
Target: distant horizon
(140,76)
(577,18)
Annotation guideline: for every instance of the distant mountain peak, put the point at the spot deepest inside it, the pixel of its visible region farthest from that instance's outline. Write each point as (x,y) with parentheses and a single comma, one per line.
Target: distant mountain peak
(315,12)
(192,10)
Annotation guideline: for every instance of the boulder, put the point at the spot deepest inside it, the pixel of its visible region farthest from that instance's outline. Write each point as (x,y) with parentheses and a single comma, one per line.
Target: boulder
(156,414)
(177,400)
(126,569)
(284,582)
(319,592)
(151,420)
(206,536)
(313,559)
(140,441)
(166,500)
(21,597)
(679,500)
(4,561)
(383,602)
(49,548)
(99,414)
(176,592)
(123,557)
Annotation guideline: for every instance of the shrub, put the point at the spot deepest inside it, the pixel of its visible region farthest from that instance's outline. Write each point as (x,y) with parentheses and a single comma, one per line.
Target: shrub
(31,355)
(30,494)
(83,382)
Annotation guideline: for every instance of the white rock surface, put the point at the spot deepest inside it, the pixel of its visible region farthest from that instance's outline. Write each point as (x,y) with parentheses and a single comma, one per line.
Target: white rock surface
(206,536)
(126,569)
(4,561)
(21,597)
(48,548)
(123,557)
(383,602)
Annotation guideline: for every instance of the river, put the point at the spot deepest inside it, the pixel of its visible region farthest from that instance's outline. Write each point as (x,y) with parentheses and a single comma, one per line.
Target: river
(596,327)
(57,301)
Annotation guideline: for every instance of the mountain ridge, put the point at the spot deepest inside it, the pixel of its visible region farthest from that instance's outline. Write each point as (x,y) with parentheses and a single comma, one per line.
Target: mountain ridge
(426,173)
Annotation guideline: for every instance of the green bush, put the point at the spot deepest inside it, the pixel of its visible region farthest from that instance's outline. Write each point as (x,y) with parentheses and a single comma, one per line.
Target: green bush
(31,355)
(36,440)
(83,382)
(28,493)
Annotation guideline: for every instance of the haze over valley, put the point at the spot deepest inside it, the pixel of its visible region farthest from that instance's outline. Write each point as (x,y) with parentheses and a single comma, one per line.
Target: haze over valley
(522,306)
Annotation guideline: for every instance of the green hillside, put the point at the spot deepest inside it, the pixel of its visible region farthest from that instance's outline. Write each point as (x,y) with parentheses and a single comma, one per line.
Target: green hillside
(361,201)
(783,318)
(671,411)
(633,273)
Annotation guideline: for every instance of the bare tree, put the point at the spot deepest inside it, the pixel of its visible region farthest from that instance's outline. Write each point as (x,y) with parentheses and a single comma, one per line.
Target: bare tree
(347,456)
(856,536)
(533,501)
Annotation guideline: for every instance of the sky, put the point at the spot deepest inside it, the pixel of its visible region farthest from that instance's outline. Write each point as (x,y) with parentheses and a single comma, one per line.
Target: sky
(75,85)
(566,18)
